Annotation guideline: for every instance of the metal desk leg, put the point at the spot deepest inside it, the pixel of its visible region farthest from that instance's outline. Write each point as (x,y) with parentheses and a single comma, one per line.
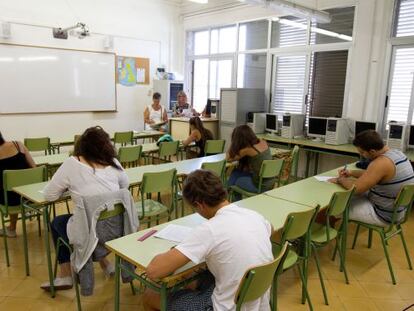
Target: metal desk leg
(26,255)
(163,293)
(117,282)
(308,159)
(47,247)
(315,169)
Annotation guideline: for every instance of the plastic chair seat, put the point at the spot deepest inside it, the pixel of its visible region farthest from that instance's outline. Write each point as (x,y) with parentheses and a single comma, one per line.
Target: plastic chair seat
(318,233)
(151,208)
(16,209)
(291,257)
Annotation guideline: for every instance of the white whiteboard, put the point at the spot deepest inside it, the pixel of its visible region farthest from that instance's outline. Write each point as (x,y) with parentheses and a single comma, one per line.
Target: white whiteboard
(36,79)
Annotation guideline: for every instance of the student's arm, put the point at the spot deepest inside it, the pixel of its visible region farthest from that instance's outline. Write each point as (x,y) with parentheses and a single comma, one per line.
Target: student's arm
(193,137)
(350,173)
(376,171)
(147,116)
(242,153)
(59,182)
(164,264)
(27,155)
(123,177)
(164,115)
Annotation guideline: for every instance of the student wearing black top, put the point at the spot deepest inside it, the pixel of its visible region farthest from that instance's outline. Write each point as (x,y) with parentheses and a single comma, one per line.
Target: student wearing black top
(198,135)
(13,156)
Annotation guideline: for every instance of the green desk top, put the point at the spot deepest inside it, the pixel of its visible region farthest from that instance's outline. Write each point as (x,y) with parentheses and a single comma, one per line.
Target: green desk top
(141,253)
(52,159)
(33,192)
(275,210)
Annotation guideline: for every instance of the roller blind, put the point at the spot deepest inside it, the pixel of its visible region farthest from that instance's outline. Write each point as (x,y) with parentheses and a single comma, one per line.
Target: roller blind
(327,81)
(404,18)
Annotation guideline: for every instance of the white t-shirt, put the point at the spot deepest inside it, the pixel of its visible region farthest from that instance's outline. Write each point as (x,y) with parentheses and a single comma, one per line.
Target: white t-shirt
(81,180)
(156,115)
(231,242)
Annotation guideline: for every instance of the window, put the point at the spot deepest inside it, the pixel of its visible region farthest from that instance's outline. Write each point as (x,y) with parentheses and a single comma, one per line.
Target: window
(223,40)
(327,83)
(253,35)
(338,30)
(404,18)
(289,31)
(251,72)
(200,83)
(289,84)
(201,43)
(220,76)
(401,85)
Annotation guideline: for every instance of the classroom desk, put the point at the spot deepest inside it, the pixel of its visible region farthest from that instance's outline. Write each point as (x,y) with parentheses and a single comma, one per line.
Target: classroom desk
(57,143)
(180,127)
(141,253)
(51,159)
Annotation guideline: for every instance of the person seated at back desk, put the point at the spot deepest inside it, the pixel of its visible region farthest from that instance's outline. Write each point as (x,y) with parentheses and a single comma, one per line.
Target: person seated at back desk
(198,135)
(183,108)
(216,242)
(155,114)
(378,185)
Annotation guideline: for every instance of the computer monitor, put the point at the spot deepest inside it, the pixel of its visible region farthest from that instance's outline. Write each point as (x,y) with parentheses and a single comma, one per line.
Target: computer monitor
(317,127)
(271,123)
(361,126)
(397,138)
(211,108)
(411,137)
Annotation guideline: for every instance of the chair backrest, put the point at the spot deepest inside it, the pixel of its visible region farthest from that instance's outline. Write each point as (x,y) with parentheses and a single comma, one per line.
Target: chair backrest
(297,224)
(118,210)
(123,138)
(214,147)
(340,202)
(168,148)
(16,178)
(257,280)
(37,144)
(158,182)
(270,169)
(130,156)
(216,167)
(404,200)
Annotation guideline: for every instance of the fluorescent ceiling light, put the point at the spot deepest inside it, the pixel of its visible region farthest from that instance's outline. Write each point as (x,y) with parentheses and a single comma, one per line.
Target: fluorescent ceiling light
(199,1)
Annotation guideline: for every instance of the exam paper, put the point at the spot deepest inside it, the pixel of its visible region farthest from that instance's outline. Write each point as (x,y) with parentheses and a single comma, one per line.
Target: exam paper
(174,233)
(323,178)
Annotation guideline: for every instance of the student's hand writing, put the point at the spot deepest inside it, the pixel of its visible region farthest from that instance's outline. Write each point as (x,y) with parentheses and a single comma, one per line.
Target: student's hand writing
(333,180)
(344,173)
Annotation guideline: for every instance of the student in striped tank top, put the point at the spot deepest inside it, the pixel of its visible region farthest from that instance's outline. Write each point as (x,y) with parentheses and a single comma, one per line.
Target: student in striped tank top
(380,183)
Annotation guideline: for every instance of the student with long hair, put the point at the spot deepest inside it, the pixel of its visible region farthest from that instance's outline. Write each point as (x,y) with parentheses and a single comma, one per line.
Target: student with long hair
(250,151)
(92,170)
(198,135)
(13,156)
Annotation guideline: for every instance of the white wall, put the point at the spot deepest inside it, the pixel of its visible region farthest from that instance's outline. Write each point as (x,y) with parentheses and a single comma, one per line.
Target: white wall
(140,28)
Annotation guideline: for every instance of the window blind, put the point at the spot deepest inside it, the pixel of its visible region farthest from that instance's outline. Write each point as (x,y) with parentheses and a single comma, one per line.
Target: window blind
(289,83)
(404,18)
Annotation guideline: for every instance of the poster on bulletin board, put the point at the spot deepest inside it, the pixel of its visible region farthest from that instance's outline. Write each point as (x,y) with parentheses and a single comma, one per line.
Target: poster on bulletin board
(132,70)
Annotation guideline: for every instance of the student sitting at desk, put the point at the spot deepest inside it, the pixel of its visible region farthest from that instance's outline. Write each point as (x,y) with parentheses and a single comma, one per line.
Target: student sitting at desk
(155,114)
(250,151)
(216,242)
(92,170)
(380,183)
(13,156)
(198,135)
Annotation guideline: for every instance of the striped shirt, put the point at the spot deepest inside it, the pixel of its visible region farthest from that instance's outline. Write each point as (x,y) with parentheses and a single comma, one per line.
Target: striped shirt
(382,195)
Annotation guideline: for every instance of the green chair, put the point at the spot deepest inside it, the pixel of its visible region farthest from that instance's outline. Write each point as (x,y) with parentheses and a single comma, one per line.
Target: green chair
(257,280)
(130,156)
(161,182)
(214,147)
(124,138)
(296,231)
(403,201)
(269,169)
(292,170)
(167,150)
(218,168)
(322,234)
(38,144)
(11,179)
(118,210)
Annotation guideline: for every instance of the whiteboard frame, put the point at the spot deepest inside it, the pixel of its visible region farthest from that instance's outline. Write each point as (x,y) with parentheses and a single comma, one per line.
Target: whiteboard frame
(69,111)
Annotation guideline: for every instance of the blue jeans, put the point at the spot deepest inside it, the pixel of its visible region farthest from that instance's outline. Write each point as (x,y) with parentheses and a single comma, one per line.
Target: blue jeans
(243,180)
(58,230)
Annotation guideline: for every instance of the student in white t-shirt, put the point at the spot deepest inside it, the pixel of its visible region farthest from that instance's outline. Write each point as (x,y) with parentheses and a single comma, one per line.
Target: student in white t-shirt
(155,114)
(230,242)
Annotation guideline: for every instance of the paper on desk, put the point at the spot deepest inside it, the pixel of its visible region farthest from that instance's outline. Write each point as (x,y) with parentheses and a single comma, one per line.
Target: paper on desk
(174,233)
(323,178)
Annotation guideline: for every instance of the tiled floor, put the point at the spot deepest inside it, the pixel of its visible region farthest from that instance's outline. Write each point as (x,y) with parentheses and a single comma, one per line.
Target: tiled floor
(370,287)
